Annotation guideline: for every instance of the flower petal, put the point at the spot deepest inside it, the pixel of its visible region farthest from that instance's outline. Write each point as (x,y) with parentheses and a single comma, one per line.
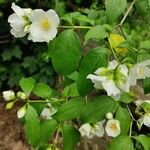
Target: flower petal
(112,65)
(110,88)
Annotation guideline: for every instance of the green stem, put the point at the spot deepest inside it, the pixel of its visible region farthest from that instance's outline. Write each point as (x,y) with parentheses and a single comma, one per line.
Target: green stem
(130,133)
(75,27)
(37,101)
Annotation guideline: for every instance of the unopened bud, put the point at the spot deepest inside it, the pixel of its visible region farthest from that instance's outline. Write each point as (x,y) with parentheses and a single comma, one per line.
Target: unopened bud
(9,105)
(109,115)
(21,95)
(21,112)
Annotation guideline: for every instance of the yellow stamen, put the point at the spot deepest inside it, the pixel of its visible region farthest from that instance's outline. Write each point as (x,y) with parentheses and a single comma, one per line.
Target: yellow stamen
(45,24)
(141,71)
(113,126)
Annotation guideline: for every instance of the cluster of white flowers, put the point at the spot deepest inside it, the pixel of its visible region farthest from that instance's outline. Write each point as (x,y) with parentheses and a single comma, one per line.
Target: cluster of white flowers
(41,25)
(117,78)
(112,128)
(47,112)
(10,95)
(145,117)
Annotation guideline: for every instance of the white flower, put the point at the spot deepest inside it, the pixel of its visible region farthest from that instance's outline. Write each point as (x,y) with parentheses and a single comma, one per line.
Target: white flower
(113,128)
(146,119)
(139,71)
(86,130)
(99,129)
(21,112)
(44,25)
(91,131)
(140,102)
(19,21)
(9,95)
(109,115)
(21,95)
(48,112)
(113,79)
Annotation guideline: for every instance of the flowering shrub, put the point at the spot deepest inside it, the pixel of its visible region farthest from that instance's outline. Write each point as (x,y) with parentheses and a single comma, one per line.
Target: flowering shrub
(98,98)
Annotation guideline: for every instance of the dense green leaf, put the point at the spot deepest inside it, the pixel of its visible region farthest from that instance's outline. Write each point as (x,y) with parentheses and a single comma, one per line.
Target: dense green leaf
(97,57)
(124,118)
(47,129)
(97,32)
(71,137)
(146,85)
(144,140)
(114,9)
(42,90)
(27,85)
(32,126)
(69,110)
(13,52)
(66,58)
(96,109)
(121,143)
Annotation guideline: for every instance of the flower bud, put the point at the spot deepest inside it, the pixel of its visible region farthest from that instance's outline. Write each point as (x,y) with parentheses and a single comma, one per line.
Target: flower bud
(22,111)
(9,105)
(9,95)
(21,95)
(109,115)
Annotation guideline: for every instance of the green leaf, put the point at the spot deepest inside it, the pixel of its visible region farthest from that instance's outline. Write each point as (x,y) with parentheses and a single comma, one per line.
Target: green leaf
(72,17)
(124,118)
(48,127)
(142,56)
(66,58)
(70,90)
(32,126)
(145,44)
(97,57)
(144,140)
(96,109)
(27,85)
(97,32)
(69,110)
(148,1)
(84,18)
(146,85)
(114,8)
(71,137)
(126,98)
(42,90)
(121,143)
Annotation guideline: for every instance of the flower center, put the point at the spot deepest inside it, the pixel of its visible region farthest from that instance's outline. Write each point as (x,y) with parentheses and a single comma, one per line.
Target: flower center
(141,71)
(113,126)
(45,24)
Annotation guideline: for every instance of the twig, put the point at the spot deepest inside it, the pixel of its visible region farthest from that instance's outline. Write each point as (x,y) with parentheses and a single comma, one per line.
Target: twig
(56,138)
(131,113)
(127,13)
